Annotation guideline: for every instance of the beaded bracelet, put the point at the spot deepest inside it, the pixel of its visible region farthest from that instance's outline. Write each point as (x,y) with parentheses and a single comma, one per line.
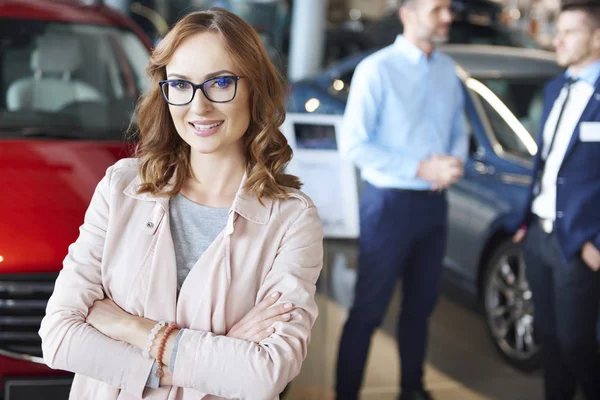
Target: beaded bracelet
(161,349)
(151,337)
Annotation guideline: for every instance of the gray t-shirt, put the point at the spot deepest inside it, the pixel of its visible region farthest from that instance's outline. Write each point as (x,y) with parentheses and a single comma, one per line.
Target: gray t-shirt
(193,228)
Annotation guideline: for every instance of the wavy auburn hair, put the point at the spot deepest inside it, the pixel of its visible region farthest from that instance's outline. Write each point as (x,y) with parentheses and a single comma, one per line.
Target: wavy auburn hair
(164,155)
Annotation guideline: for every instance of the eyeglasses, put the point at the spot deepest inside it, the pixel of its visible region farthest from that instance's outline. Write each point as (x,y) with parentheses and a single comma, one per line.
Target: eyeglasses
(179,92)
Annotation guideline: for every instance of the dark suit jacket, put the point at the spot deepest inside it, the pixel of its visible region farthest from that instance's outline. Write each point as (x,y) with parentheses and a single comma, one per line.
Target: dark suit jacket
(578,183)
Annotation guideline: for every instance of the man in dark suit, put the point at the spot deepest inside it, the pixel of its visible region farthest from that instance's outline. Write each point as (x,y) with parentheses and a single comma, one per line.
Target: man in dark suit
(561,221)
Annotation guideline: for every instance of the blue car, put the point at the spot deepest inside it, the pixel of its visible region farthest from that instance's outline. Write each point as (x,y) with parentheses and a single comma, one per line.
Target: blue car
(504,99)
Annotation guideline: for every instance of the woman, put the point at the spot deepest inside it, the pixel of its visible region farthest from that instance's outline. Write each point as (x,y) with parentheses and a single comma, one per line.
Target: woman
(202,229)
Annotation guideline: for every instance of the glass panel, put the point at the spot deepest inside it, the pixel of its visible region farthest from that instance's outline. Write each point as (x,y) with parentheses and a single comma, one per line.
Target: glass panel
(315,136)
(523,97)
(68,80)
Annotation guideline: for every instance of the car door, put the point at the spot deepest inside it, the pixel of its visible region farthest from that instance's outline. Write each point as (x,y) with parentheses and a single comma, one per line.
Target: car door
(460,219)
(495,183)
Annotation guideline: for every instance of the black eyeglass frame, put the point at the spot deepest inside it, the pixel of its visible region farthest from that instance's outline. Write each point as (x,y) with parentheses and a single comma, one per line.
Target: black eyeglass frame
(200,86)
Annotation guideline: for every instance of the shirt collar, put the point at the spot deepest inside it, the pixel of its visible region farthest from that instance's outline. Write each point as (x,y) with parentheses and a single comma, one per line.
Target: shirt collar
(245,203)
(590,74)
(414,54)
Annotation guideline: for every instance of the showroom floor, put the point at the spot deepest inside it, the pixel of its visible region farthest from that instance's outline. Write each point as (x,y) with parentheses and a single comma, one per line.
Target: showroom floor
(462,364)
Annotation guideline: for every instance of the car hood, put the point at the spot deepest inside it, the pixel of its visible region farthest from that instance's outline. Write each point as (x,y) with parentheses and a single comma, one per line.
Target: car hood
(45,188)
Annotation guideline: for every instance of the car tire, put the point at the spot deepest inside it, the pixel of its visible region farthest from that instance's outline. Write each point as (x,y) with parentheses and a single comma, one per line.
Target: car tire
(508,308)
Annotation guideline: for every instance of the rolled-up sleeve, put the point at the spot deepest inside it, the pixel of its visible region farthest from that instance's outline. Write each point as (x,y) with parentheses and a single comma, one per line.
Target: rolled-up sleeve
(68,342)
(233,368)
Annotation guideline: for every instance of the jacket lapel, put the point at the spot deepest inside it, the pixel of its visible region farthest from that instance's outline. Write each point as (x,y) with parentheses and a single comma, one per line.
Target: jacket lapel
(589,114)
(159,267)
(132,188)
(551,95)
(161,298)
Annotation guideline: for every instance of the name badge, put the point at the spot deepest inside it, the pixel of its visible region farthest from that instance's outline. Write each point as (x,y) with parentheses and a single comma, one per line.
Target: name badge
(589,132)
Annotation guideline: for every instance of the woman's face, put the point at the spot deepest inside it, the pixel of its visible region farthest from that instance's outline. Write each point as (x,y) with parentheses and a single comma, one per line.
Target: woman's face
(208,127)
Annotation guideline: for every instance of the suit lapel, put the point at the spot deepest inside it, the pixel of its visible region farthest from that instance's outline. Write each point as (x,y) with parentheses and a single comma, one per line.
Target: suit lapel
(589,114)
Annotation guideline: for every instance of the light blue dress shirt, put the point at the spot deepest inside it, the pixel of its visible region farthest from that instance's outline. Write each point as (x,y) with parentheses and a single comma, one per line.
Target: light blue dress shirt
(403,107)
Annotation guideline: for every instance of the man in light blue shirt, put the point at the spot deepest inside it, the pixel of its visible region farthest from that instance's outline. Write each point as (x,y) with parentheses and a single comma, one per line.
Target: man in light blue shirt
(404,128)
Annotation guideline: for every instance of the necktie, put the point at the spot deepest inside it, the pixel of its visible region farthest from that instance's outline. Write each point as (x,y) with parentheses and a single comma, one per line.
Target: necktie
(544,157)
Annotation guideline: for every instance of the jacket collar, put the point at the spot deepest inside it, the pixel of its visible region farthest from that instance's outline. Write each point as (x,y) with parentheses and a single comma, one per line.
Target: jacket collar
(248,205)
(245,204)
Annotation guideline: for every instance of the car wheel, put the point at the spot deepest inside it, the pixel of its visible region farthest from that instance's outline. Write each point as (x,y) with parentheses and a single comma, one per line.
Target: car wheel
(509,308)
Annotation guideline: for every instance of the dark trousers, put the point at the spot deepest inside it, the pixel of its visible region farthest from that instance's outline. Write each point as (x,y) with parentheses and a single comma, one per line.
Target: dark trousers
(566,298)
(403,235)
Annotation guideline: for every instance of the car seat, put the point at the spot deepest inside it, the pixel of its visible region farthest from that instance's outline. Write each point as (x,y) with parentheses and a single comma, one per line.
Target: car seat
(51,86)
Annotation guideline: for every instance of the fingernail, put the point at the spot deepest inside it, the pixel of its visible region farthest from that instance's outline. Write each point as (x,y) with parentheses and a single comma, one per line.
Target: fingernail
(271,330)
(288,306)
(275,294)
(286,316)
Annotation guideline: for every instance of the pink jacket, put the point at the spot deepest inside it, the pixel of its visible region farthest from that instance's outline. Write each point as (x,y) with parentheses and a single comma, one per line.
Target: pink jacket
(125,251)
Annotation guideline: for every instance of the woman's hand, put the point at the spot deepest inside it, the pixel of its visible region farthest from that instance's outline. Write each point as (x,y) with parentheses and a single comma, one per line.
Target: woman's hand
(257,324)
(110,319)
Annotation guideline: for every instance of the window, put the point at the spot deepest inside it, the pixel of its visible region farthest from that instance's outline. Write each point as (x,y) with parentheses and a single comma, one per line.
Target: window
(73,80)
(315,136)
(514,108)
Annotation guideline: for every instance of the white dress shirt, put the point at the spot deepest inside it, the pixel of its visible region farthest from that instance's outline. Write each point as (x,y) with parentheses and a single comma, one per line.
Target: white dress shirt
(544,205)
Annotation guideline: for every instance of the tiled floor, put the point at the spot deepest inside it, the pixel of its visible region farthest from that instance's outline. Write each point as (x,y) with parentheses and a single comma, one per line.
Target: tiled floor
(462,363)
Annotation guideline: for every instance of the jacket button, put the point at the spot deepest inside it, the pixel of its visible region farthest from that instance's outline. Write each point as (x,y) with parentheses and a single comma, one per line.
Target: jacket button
(149,225)
(560,214)
(560,181)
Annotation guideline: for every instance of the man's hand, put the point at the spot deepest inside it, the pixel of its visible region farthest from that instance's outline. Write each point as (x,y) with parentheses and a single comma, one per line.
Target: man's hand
(591,256)
(441,170)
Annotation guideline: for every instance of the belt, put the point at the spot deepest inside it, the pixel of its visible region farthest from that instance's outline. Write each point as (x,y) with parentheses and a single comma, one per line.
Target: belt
(547,225)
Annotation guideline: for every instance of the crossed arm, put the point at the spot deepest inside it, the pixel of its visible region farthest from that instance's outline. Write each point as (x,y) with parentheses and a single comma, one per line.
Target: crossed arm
(112,321)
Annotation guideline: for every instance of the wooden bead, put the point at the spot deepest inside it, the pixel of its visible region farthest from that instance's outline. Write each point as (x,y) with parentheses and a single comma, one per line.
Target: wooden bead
(161,349)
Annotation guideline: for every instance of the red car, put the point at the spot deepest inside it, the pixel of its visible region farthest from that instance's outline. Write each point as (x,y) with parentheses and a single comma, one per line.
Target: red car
(70,75)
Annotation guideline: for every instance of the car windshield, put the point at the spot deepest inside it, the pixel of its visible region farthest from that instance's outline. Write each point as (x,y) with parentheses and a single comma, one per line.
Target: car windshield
(68,80)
